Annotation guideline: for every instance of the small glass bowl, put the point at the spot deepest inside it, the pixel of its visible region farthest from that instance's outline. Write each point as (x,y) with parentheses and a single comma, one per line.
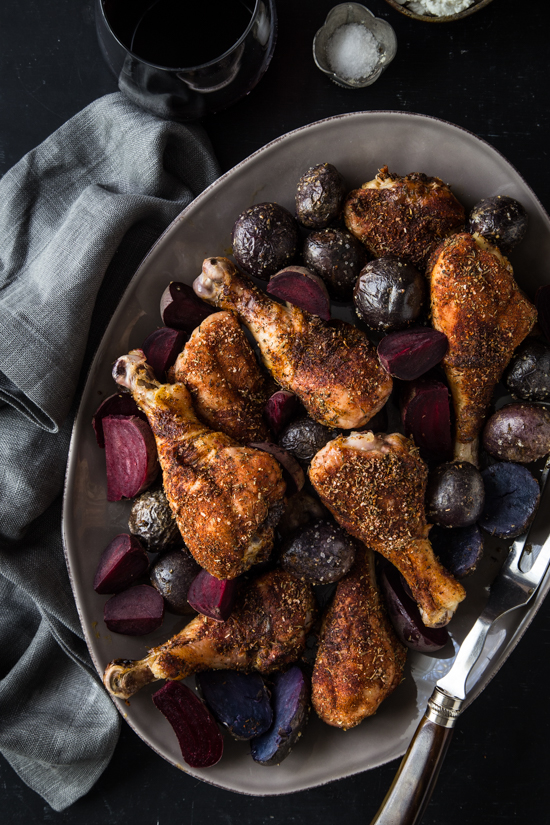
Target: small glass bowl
(347,13)
(433,18)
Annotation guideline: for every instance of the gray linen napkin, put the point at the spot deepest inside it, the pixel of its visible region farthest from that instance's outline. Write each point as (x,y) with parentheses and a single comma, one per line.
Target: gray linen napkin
(77,215)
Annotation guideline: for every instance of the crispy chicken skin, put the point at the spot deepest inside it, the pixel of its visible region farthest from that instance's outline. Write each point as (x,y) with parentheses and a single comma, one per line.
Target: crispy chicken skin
(476,302)
(225,497)
(332,367)
(219,368)
(360,660)
(266,631)
(374,485)
(403,216)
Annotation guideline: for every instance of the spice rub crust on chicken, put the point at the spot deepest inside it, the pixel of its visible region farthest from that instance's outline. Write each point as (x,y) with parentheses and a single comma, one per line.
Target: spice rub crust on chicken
(374,485)
(360,660)
(226,498)
(405,217)
(219,368)
(476,302)
(332,367)
(266,631)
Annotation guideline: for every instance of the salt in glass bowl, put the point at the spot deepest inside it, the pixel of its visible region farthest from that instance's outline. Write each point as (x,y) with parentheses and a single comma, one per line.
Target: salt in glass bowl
(433,18)
(352,13)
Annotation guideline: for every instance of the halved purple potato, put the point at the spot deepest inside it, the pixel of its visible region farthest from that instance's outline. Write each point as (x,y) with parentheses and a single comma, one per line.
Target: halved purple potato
(405,615)
(134,612)
(291,693)
(239,701)
(459,549)
(161,349)
(199,737)
(130,456)
(122,562)
(512,495)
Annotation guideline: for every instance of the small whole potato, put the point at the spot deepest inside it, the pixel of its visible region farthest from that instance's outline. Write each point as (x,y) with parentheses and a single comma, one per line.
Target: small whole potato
(455,494)
(518,432)
(319,196)
(265,239)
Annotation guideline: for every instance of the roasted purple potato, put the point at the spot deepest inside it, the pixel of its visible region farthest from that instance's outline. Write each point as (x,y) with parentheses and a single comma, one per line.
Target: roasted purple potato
(459,549)
(518,432)
(319,196)
(122,562)
(318,553)
(199,737)
(300,509)
(134,612)
(152,521)
(172,573)
(389,294)
(512,495)
(455,494)
(337,257)
(501,220)
(305,437)
(291,702)
(404,614)
(239,701)
(528,374)
(265,239)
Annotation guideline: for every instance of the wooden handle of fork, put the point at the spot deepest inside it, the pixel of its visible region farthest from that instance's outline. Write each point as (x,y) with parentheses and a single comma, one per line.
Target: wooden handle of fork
(415,780)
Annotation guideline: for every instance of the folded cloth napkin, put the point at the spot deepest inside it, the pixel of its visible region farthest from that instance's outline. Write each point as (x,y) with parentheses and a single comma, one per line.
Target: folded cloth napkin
(77,215)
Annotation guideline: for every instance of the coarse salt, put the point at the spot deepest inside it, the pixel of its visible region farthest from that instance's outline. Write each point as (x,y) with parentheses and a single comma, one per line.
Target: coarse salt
(440,8)
(353,52)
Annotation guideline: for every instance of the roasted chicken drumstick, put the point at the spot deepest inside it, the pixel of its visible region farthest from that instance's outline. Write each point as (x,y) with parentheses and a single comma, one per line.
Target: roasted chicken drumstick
(226,498)
(374,485)
(266,631)
(360,660)
(477,304)
(332,367)
(219,368)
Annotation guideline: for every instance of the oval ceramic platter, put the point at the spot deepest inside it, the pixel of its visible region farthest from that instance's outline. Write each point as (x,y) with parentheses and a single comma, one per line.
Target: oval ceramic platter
(358,145)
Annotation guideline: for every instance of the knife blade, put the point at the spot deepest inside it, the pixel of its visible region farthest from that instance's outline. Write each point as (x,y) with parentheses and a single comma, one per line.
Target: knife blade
(518,580)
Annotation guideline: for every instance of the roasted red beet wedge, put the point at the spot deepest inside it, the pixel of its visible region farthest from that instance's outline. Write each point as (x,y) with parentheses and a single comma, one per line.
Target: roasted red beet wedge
(280,409)
(212,597)
(130,456)
(409,354)
(161,349)
(198,735)
(300,287)
(181,309)
(134,612)
(426,416)
(122,562)
(121,403)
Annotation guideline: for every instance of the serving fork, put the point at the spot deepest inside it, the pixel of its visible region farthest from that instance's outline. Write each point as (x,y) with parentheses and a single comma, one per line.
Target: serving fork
(514,586)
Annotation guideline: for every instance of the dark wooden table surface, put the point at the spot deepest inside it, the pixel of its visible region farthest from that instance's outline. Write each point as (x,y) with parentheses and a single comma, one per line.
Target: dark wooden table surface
(488,73)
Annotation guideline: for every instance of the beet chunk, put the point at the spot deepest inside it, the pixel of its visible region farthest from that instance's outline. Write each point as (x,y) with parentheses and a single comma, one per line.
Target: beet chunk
(303,289)
(512,495)
(121,403)
(405,615)
(123,560)
(161,349)
(240,701)
(426,416)
(280,409)
(459,549)
(181,309)
(291,702)
(134,612)
(198,735)
(130,456)
(212,597)
(411,353)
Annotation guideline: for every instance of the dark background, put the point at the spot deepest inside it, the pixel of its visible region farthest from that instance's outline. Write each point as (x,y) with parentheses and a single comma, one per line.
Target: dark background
(488,73)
